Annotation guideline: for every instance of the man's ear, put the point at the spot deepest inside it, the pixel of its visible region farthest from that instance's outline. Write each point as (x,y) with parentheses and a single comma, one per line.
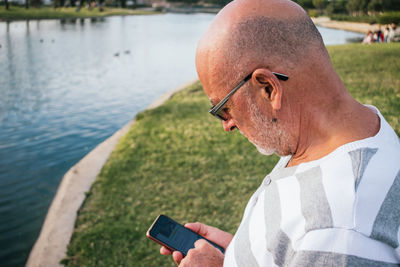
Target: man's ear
(269,85)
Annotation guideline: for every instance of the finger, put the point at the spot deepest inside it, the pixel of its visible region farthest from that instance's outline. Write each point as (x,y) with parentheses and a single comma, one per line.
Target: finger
(165,251)
(197,227)
(177,256)
(200,243)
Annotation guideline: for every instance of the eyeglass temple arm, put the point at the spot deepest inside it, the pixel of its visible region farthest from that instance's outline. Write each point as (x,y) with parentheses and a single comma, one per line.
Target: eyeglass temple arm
(280,76)
(223,101)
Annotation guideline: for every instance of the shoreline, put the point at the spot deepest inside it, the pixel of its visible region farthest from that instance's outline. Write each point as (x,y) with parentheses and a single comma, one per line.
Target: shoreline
(344,25)
(68,13)
(51,245)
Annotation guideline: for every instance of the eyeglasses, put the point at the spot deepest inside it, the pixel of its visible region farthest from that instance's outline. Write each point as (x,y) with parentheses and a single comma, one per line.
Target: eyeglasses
(217,110)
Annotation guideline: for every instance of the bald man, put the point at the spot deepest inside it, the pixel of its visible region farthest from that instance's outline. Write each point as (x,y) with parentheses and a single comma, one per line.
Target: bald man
(334,197)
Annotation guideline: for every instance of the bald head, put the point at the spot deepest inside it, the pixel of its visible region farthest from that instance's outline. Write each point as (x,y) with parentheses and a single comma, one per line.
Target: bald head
(300,116)
(246,34)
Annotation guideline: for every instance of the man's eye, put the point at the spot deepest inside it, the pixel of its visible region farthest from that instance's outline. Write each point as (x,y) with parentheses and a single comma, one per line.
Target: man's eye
(225,110)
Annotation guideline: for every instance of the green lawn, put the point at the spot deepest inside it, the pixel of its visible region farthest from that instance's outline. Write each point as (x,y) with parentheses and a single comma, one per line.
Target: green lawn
(20,13)
(178,161)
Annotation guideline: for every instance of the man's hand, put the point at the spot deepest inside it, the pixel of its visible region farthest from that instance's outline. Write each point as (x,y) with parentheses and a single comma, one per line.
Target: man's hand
(203,255)
(213,234)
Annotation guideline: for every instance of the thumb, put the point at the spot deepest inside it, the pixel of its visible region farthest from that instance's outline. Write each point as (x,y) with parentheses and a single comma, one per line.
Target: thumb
(197,227)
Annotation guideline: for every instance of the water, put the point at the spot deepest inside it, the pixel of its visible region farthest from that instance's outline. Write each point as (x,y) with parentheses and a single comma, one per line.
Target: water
(334,37)
(67,86)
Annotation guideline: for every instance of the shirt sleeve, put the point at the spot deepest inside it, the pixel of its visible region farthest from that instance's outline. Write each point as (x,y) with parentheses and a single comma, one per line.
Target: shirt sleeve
(342,247)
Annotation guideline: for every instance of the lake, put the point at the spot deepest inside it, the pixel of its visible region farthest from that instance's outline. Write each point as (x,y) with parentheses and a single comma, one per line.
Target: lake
(65,86)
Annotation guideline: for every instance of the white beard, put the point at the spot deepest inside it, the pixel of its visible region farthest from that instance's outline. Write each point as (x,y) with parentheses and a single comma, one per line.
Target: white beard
(263,151)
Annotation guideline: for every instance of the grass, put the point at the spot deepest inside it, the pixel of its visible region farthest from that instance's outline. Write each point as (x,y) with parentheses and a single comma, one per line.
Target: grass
(177,160)
(372,75)
(20,13)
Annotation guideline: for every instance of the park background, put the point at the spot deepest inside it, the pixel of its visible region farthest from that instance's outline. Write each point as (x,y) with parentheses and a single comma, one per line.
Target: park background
(175,160)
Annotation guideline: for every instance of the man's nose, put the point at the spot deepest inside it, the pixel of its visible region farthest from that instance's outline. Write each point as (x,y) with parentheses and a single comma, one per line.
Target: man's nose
(229,125)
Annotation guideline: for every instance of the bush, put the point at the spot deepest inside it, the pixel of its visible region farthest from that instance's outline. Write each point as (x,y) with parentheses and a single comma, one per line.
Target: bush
(389,17)
(313,13)
(306,4)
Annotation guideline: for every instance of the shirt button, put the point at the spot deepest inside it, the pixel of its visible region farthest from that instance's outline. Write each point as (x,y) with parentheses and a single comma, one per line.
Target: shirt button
(267,181)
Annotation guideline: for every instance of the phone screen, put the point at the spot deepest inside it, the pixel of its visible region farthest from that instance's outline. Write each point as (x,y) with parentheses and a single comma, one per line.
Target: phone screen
(175,235)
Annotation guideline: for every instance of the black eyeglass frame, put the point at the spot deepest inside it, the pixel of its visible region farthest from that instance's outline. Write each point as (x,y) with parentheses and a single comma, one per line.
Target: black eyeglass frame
(217,109)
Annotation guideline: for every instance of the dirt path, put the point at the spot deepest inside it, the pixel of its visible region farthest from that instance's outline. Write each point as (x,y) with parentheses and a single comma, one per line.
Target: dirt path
(344,25)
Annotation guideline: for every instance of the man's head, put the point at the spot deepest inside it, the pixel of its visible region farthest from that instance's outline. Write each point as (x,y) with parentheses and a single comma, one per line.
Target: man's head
(260,37)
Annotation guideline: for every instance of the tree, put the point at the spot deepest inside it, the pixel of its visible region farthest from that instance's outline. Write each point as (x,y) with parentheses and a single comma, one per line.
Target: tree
(352,6)
(218,2)
(357,6)
(7,5)
(336,7)
(375,6)
(320,4)
(36,3)
(306,4)
(81,4)
(186,1)
(391,5)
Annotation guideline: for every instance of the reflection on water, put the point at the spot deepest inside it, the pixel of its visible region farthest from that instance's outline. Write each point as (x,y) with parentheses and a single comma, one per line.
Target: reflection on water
(67,85)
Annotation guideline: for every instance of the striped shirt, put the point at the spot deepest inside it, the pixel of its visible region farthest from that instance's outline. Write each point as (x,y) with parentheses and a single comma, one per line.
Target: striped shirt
(340,210)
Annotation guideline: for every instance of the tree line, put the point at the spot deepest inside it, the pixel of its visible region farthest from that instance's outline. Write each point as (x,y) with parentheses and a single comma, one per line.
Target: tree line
(352,7)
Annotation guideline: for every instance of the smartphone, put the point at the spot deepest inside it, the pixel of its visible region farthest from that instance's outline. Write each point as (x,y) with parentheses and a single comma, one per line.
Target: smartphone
(174,236)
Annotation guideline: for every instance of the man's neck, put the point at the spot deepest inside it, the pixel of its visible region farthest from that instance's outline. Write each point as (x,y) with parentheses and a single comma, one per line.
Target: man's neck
(323,132)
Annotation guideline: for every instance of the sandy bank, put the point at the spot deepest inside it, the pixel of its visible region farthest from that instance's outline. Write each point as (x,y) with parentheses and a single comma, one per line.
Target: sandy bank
(51,246)
(345,25)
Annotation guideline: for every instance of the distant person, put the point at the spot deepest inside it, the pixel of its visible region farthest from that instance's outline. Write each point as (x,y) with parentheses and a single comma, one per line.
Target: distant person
(333,199)
(379,35)
(392,32)
(386,34)
(369,38)
(375,36)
